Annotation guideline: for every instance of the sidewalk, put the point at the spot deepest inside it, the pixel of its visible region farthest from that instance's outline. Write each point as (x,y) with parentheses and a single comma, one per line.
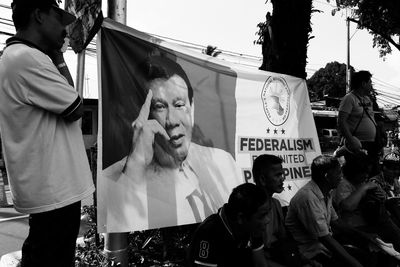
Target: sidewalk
(14,229)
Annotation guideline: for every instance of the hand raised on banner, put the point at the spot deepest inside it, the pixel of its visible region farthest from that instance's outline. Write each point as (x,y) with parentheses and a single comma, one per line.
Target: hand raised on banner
(144,130)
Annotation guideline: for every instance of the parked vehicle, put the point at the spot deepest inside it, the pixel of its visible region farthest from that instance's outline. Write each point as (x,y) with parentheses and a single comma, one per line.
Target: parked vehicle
(328,138)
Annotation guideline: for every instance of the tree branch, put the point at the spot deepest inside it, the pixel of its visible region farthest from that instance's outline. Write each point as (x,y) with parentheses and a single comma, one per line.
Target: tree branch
(385,36)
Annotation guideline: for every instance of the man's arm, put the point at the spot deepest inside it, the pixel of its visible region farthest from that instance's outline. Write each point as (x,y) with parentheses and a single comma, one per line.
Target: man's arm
(58,59)
(337,249)
(351,202)
(75,110)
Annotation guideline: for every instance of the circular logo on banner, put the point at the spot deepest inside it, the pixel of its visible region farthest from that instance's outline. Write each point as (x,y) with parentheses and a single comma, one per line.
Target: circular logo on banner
(275,96)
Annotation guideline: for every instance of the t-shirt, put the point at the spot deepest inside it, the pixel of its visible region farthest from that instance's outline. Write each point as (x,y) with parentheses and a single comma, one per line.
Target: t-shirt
(353,105)
(214,245)
(44,154)
(275,229)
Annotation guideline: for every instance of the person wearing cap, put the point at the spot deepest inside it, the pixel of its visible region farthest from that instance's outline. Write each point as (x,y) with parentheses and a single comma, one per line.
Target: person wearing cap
(360,201)
(389,177)
(388,180)
(42,142)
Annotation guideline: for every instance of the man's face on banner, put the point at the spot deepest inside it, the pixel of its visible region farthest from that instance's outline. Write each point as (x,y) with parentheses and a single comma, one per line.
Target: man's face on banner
(170,106)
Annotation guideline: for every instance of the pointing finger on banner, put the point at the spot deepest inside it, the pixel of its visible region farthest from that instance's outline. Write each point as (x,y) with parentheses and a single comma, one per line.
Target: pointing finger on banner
(142,144)
(145,110)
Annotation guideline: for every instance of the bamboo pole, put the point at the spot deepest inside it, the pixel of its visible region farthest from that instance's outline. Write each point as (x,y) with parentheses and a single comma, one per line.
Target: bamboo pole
(116,244)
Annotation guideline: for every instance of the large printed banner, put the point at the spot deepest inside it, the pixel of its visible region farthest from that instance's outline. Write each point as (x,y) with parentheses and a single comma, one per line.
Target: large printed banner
(179,130)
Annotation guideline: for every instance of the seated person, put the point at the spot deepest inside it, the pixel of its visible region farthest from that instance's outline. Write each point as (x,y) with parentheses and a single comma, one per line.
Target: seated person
(388,180)
(279,249)
(233,236)
(311,214)
(360,201)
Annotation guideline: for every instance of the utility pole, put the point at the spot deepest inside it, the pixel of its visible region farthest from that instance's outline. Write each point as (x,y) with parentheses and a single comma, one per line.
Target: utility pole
(116,244)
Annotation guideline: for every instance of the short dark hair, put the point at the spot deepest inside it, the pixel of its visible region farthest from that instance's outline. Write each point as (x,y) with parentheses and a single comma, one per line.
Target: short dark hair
(22,9)
(246,198)
(155,67)
(321,165)
(356,163)
(359,77)
(262,163)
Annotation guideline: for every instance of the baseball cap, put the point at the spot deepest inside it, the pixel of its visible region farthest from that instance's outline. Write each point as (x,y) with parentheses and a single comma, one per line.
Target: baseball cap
(66,17)
(392,158)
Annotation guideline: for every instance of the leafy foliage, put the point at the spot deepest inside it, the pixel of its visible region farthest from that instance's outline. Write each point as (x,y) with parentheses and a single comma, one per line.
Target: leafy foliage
(328,81)
(90,254)
(380,17)
(165,247)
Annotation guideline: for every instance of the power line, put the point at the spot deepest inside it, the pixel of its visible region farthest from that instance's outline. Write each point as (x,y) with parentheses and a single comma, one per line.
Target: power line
(9,20)
(6,33)
(383,82)
(5,23)
(4,6)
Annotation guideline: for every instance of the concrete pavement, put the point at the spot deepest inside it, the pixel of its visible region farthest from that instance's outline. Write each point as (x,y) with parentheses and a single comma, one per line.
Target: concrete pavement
(14,229)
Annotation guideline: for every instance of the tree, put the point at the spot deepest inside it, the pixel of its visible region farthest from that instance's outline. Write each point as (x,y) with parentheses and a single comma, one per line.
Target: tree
(285,34)
(380,17)
(284,37)
(328,81)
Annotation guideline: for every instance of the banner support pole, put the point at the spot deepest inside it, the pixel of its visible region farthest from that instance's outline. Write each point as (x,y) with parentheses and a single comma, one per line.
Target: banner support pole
(116,244)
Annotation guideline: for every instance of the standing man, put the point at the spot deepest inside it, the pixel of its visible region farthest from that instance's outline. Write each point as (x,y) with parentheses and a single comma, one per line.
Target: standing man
(311,214)
(41,138)
(356,118)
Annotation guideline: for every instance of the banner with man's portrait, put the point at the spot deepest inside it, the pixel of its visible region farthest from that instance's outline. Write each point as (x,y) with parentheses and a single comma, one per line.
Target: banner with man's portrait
(179,130)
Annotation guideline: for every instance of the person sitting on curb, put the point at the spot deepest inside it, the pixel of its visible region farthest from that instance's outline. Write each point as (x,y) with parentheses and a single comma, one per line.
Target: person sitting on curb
(360,203)
(279,248)
(311,215)
(388,180)
(233,236)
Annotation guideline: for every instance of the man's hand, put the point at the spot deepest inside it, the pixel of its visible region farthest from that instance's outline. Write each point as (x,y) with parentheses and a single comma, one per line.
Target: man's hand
(369,185)
(143,137)
(56,56)
(58,59)
(353,144)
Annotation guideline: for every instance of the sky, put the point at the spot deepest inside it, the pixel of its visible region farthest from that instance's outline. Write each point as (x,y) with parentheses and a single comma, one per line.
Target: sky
(231,26)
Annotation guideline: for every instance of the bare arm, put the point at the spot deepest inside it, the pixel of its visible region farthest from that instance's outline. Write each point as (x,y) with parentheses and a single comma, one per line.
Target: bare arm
(58,59)
(76,110)
(351,202)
